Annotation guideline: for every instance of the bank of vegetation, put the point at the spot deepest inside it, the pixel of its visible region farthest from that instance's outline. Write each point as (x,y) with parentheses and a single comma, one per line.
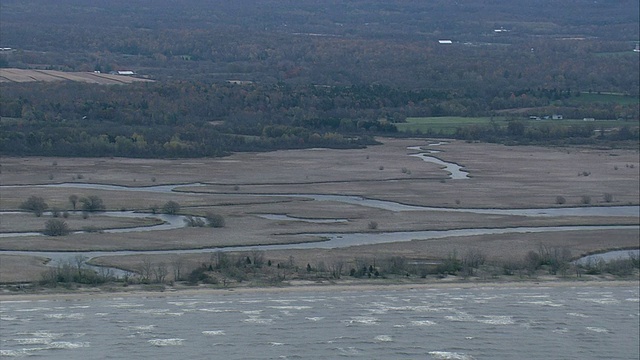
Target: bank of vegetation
(195,119)
(254,268)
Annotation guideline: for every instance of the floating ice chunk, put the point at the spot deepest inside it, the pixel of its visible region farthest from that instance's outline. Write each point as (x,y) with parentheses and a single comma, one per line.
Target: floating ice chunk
(446,355)
(497,320)
(214,332)
(383,338)
(166,342)
(366,320)
(315,318)
(257,320)
(67,345)
(577,315)
(597,329)
(74,316)
(423,323)
(34,341)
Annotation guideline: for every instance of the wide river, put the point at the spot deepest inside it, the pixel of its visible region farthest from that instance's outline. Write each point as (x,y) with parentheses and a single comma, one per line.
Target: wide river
(440,323)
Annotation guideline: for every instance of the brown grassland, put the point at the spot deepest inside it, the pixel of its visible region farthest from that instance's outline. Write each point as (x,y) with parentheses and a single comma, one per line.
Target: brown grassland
(29,75)
(501,177)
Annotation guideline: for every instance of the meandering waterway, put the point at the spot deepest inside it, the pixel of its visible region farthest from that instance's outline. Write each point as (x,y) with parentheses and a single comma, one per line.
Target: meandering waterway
(334,240)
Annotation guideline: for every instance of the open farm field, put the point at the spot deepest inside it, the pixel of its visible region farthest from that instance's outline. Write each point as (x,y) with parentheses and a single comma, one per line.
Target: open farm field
(28,75)
(380,198)
(446,124)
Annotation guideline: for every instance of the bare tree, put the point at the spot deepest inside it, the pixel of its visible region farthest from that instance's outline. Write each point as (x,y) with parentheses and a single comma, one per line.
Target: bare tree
(215,220)
(171,208)
(160,272)
(336,268)
(177,264)
(79,261)
(73,199)
(146,269)
(56,227)
(35,204)
(258,258)
(92,203)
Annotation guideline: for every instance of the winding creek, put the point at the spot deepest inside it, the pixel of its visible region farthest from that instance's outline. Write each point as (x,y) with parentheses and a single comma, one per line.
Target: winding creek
(332,240)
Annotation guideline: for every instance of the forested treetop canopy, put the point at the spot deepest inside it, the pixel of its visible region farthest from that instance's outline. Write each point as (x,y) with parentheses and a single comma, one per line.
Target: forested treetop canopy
(309,73)
(576,44)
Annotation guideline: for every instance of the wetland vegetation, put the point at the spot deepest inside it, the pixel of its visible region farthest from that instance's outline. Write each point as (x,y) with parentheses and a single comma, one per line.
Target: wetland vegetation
(251,106)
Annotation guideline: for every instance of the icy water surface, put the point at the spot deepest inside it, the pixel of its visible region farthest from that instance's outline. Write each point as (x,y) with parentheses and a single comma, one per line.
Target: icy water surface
(479,323)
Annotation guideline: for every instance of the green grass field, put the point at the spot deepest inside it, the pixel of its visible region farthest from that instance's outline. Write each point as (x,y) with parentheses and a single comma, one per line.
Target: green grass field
(446,124)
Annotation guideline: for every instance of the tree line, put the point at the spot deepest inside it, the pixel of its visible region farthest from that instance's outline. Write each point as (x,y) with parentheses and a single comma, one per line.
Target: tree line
(197,118)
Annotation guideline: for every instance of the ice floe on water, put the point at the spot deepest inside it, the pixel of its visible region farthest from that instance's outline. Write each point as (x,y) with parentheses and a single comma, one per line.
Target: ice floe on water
(213,332)
(484,319)
(365,320)
(446,355)
(597,329)
(542,303)
(13,353)
(158,312)
(166,342)
(34,341)
(74,316)
(291,307)
(142,327)
(496,320)
(349,351)
(578,315)
(423,323)
(45,334)
(183,303)
(34,309)
(460,316)
(257,320)
(315,318)
(126,305)
(252,312)
(212,310)
(383,338)
(67,345)
(603,301)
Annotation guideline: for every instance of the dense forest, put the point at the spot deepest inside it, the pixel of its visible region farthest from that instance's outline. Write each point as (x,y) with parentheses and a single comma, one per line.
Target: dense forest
(261,75)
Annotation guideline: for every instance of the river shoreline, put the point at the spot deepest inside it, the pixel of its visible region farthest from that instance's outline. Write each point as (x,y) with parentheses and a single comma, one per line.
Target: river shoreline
(85,293)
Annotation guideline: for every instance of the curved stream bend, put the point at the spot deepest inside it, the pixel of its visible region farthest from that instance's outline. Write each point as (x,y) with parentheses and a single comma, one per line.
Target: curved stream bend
(610,211)
(337,240)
